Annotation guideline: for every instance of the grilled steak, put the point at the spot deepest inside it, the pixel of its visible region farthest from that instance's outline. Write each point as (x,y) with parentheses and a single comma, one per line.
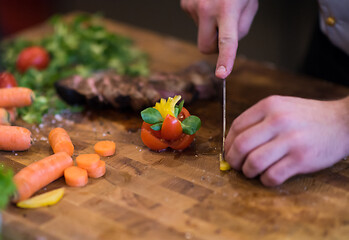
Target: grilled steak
(107,88)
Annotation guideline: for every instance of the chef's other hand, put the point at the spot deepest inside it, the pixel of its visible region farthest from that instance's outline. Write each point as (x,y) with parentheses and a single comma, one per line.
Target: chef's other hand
(280,137)
(233,18)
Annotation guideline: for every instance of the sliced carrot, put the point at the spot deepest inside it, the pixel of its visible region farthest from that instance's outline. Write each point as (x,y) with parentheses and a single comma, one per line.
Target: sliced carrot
(13,138)
(60,141)
(38,174)
(5,118)
(99,171)
(13,113)
(75,176)
(105,148)
(88,161)
(16,97)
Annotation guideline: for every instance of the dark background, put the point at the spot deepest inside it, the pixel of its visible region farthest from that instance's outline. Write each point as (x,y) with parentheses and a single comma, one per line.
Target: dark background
(279,35)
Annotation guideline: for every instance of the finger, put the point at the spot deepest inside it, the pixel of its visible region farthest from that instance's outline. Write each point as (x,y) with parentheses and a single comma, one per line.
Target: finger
(280,171)
(251,116)
(247,119)
(247,141)
(260,159)
(246,18)
(207,33)
(190,6)
(227,43)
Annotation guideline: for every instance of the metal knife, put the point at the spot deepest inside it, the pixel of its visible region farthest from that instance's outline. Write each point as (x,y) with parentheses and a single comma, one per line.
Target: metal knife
(223,165)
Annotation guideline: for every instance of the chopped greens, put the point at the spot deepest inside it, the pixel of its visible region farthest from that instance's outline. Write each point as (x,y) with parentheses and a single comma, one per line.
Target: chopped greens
(79,47)
(7,187)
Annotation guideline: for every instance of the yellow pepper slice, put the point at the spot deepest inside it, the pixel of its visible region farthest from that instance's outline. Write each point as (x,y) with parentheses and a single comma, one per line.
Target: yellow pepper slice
(223,165)
(43,200)
(167,107)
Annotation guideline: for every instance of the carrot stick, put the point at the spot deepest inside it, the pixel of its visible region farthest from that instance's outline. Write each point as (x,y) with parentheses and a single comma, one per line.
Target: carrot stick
(97,172)
(60,141)
(38,174)
(105,148)
(4,117)
(13,138)
(16,97)
(88,161)
(75,176)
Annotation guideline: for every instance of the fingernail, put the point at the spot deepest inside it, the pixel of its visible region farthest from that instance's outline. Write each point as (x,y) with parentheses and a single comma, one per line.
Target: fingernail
(221,70)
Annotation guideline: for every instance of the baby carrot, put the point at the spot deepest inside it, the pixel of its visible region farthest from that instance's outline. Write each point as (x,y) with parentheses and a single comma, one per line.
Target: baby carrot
(75,176)
(97,172)
(16,97)
(13,138)
(88,161)
(60,141)
(105,148)
(38,174)
(4,117)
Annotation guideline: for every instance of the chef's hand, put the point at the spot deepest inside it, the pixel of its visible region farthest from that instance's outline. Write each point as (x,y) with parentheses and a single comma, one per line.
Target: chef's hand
(280,137)
(233,18)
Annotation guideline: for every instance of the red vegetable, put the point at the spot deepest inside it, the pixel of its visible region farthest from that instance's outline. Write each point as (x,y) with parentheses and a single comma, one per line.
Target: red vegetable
(171,128)
(183,142)
(151,140)
(7,80)
(155,139)
(36,57)
(183,114)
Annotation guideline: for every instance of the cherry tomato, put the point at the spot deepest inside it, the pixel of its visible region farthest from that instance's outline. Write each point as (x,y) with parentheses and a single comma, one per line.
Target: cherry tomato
(7,80)
(36,57)
(183,142)
(152,140)
(171,128)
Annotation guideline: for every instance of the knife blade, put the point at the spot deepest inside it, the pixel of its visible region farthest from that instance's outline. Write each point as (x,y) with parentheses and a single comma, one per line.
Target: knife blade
(223,165)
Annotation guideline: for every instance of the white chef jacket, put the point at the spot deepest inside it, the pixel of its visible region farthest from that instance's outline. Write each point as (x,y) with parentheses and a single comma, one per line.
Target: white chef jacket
(334,22)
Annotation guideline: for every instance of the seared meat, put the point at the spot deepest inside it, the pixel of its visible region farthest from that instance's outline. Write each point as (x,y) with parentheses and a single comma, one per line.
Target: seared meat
(110,89)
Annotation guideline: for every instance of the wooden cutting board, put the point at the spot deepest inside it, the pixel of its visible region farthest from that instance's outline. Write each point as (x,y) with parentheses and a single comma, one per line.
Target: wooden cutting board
(173,195)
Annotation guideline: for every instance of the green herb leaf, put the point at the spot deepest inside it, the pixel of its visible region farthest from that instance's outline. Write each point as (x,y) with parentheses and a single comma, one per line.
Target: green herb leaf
(176,111)
(7,187)
(191,125)
(151,115)
(180,106)
(156,126)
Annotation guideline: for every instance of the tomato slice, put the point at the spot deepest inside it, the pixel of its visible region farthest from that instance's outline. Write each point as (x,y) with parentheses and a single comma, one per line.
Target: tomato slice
(183,142)
(171,128)
(152,139)
(183,114)
(147,126)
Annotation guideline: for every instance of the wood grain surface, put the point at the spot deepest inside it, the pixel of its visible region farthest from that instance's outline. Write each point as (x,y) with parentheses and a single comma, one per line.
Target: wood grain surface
(173,195)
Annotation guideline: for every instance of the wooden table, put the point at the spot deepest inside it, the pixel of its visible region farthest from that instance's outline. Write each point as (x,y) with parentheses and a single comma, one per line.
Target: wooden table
(171,195)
